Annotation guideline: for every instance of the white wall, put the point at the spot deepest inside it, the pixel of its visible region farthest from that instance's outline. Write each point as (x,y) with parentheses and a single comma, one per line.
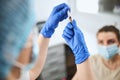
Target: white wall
(44,7)
(88,23)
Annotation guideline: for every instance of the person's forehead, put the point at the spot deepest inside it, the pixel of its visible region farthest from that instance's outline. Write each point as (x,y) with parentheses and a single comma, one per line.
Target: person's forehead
(106,35)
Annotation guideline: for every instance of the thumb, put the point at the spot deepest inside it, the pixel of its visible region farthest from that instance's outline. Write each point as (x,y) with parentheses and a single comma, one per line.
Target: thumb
(74,24)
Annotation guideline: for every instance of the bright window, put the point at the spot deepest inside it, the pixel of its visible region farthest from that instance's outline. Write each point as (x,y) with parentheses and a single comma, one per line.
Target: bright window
(88,6)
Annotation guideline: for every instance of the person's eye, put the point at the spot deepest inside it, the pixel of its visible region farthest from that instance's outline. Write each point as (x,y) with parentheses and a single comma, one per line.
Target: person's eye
(111,41)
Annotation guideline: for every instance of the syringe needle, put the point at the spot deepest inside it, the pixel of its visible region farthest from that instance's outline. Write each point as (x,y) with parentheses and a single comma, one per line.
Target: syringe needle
(69,15)
(70,18)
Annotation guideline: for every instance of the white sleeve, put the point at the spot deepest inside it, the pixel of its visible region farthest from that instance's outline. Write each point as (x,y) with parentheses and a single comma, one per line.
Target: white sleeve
(25,76)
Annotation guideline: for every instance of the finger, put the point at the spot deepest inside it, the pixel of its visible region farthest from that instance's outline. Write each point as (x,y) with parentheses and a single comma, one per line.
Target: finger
(64,17)
(74,23)
(66,38)
(70,25)
(63,13)
(69,31)
(75,26)
(60,7)
(66,34)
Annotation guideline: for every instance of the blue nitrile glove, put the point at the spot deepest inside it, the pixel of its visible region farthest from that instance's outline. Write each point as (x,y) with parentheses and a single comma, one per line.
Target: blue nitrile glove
(75,39)
(58,14)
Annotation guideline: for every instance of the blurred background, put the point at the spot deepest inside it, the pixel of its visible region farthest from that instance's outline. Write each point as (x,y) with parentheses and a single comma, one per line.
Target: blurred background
(90,16)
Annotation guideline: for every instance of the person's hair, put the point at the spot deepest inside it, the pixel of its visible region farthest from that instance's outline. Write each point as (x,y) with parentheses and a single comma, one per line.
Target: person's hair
(110,28)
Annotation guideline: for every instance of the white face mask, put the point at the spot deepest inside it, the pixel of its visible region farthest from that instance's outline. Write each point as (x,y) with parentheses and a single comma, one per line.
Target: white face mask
(25,76)
(119,50)
(26,68)
(108,52)
(24,72)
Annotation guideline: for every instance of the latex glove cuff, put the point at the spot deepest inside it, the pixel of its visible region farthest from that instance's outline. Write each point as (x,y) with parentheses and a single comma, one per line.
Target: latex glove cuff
(47,33)
(79,60)
(80,55)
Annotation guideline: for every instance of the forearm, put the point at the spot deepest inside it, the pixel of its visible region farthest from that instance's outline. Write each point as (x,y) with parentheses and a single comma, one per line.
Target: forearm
(43,43)
(84,71)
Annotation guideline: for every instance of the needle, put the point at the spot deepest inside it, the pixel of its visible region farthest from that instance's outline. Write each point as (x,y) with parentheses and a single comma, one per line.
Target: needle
(70,18)
(69,15)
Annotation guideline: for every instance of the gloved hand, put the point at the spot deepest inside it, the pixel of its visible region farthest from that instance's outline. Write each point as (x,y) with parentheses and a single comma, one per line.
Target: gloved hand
(58,14)
(75,39)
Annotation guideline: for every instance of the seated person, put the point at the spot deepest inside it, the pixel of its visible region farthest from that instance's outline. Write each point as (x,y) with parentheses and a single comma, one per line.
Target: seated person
(106,64)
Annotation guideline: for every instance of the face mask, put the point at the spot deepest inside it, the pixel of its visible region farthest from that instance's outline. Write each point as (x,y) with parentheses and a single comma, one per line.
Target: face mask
(119,50)
(25,68)
(108,52)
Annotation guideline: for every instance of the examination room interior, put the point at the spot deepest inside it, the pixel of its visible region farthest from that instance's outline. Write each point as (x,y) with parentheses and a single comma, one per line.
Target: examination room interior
(90,16)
